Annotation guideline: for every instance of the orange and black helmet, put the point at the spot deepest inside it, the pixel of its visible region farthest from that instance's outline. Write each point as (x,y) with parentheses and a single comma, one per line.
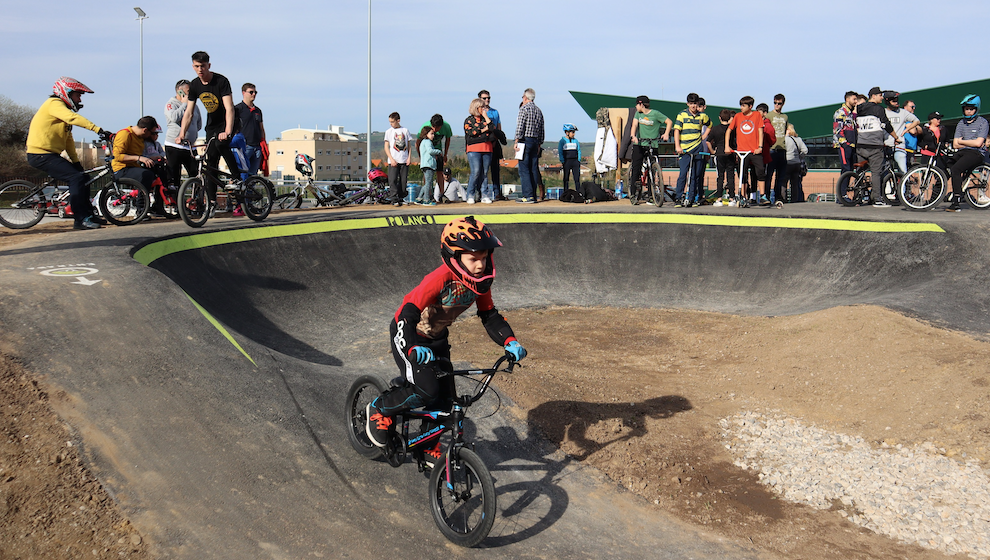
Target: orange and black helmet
(468,235)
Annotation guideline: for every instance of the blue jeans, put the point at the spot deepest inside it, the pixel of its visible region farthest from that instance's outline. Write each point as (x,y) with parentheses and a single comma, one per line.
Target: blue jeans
(698,172)
(60,168)
(528,167)
(479,162)
(253,156)
(425,193)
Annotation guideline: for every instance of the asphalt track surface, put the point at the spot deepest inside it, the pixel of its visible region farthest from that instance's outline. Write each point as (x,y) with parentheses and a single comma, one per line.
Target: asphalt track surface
(205,369)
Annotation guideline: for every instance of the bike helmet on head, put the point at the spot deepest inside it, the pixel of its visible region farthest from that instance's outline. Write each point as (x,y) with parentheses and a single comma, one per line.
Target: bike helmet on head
(66,85)
(468,235)
(377,175)
(971,100)
(304,164)
(570,127)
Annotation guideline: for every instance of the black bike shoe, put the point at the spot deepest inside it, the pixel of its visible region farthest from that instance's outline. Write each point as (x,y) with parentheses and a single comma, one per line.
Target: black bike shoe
(98,220)
(87,223)
(954,207)
(377,425)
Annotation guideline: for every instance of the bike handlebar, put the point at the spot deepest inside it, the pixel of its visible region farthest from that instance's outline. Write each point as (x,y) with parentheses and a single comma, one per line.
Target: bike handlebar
(489,373)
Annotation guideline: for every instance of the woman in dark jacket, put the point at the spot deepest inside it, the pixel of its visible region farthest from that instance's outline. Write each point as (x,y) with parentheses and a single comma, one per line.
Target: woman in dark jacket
(478,136)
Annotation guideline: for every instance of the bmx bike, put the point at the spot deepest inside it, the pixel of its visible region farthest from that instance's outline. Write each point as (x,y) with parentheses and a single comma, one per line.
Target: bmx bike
(254,195)
(461,489)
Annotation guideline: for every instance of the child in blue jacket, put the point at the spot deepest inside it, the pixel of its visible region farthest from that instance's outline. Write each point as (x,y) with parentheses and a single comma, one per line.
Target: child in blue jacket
(569,152)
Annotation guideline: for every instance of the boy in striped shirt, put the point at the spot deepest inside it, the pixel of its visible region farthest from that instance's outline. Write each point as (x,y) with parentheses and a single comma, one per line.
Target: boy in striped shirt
(690,134)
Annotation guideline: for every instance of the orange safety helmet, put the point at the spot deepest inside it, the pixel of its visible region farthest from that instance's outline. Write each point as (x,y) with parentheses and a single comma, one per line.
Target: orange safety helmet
(468,235)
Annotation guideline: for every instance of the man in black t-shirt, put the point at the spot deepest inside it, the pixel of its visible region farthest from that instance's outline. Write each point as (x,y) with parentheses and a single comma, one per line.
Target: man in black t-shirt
(252,126)
(221,121)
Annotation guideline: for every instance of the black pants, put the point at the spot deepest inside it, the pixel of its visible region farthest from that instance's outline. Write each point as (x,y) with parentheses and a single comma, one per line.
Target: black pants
(960,165)
(60,169)
(795,179)
(572,167)
(778,167)
(179,159)
(397,175)
(636,171)
(753,173)
(495,170)
(217,149)
(426,388)
(725,168)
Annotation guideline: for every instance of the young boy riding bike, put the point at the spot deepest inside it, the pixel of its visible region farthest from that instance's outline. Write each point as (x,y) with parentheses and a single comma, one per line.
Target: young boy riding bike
(419,330)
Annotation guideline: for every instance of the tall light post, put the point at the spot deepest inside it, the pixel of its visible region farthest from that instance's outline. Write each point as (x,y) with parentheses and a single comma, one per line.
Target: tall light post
(141,17)
(367,164)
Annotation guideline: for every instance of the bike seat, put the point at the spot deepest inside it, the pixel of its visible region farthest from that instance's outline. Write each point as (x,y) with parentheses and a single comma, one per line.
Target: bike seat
(860,164)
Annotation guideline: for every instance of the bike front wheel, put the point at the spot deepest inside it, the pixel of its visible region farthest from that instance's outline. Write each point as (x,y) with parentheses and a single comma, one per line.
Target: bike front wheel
(890,181)
(975,188)
(657,188)
(259,195)
(921,188)
(21,204)
(363,391)
(845,189)
(124,202)
(462,500)
(194,203)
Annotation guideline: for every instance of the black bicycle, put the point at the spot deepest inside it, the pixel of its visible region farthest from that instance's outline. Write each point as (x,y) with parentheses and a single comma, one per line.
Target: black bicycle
(462,491)
(121,201)
(255,195)
(854,188)
(323,196)
(651,178)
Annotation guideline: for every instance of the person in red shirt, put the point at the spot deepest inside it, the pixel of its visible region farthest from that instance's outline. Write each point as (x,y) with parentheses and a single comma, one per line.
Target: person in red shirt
(419,329)
(748,125)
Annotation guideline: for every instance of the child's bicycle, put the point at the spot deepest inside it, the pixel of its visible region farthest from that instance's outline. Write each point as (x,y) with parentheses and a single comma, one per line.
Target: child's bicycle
(375,192)
(461,490)
(926,185)
(122,201)
(323,196)
(653,188)
(254,194)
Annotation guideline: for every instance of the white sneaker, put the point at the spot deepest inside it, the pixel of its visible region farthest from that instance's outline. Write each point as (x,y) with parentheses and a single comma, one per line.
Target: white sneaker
(470,201)
(486,201)
(984,199)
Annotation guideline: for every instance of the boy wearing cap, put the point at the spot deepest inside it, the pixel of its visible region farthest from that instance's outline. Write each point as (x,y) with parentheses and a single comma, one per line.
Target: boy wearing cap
(871,122)
(645,131)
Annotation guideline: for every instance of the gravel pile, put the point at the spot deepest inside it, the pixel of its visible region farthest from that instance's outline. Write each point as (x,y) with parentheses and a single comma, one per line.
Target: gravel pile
(914,495)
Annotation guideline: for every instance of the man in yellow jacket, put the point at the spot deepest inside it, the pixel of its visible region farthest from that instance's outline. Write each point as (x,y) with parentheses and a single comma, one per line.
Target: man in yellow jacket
(51,134)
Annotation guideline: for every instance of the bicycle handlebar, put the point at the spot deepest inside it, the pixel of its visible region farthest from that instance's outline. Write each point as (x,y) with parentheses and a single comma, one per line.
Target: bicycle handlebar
(489,373)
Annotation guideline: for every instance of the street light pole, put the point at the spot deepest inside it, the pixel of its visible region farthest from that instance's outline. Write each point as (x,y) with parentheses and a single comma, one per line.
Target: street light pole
(141,17)
(367,164)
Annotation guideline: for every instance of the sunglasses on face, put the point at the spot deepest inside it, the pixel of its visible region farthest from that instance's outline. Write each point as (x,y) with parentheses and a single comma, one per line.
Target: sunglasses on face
(485,98)
(251,92)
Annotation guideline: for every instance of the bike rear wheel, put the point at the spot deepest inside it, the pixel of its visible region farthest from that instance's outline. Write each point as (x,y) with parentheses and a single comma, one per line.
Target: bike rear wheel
(975,188)
(194,203)
(889,183)
(124,201)
(21,204)
(364,390)
(657,187)
(921,189)
(463,501)
(259,196)
(846,189)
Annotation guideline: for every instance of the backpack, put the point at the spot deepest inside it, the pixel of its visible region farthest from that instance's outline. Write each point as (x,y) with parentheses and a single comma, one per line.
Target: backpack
(602,117)
(571,195)
(400,142)
(594,193)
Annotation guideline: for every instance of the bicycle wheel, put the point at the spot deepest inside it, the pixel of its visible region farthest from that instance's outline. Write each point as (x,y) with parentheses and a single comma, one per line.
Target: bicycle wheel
(975,188)
(847,195)
(656,183)
(124,202)
(889,181)
(288,200)
(921,189)
(21,204)
(194,204)
(463,502)
(259,195)
(364,390)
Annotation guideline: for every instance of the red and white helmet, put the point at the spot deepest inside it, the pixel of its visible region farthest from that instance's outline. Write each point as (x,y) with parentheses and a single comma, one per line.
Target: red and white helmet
(66,85)
(377,176)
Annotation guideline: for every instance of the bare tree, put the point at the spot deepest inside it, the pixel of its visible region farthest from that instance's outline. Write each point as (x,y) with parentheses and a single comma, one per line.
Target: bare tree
(14,122)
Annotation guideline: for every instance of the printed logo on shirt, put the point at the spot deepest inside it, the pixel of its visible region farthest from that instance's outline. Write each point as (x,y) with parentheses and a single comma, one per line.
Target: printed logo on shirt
(746,127)
(210,101)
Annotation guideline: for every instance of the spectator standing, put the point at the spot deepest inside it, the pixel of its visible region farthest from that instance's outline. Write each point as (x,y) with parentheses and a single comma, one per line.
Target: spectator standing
(213,90)
(844,132)
(769,137)
(932,133)
(748,126)
(441,137)
(911,135)
(529,137)
(569,154)
(178,151)
(796,169)
(497,143)
(903,122)
(252,126)
(429,155)
(778,151)
(397,149)
(871,122)
(725,162)
(50,134)
(478,134)
(689,142)
(645,130)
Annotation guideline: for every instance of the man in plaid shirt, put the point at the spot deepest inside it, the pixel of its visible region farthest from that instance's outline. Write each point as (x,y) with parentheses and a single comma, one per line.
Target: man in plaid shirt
(529,133)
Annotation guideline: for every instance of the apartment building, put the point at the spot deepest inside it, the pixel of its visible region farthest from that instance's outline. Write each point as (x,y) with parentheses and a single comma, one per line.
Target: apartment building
(340,155)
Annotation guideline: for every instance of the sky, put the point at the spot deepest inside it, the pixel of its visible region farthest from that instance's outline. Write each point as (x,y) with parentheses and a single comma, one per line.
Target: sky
(309,59)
